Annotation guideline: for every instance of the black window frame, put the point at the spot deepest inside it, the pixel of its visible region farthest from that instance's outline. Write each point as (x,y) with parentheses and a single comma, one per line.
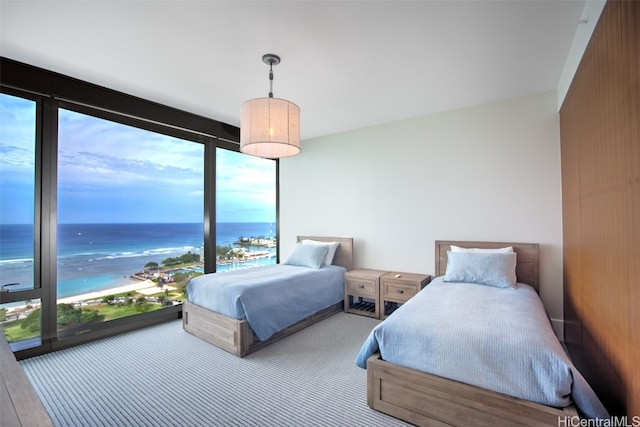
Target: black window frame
(52,91)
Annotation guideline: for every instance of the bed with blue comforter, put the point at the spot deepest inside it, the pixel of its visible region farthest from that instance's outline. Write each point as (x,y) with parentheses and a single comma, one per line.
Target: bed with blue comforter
(269,297)
(496,338)
(241,311)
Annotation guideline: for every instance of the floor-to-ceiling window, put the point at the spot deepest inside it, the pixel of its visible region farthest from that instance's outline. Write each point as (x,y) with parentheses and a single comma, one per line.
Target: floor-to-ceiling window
(245,211)
(110,204)
(130,219)
(20,320)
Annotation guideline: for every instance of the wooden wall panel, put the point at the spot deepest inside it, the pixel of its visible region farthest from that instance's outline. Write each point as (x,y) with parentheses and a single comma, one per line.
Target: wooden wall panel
(604,291)
(600,149)
(572,292)
(633,304)
(604,269)
(571,133)
(630,36)
(601,145)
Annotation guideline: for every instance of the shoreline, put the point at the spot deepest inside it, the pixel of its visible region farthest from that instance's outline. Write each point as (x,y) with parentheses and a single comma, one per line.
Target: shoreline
(81,298)
(248,245)
(103,293)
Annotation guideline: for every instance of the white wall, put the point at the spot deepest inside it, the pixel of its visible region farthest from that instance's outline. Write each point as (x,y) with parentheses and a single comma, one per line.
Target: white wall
(490,172)
(586,26)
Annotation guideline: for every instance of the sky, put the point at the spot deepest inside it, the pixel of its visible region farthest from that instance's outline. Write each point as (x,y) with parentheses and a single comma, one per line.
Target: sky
(113,173)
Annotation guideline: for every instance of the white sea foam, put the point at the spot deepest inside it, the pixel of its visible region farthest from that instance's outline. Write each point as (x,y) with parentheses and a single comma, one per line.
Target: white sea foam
(16,261)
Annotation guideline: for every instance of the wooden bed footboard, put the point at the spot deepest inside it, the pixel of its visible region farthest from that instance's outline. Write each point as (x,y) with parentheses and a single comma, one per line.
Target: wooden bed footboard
(428,400)
(236,336)
(232,335)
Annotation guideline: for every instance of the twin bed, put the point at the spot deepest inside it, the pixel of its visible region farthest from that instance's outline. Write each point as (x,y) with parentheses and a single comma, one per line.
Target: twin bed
(228,310)
(462,353)
(457,353)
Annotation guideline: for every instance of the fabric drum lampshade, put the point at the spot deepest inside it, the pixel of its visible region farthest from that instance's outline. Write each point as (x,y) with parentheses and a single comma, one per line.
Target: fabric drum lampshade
(270,128)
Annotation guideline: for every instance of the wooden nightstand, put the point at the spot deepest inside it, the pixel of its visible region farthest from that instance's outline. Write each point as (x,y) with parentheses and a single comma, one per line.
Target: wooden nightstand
(362,292)
(396,289)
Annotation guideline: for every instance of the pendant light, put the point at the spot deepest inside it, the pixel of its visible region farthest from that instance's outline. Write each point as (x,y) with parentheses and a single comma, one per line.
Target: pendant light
(270,127)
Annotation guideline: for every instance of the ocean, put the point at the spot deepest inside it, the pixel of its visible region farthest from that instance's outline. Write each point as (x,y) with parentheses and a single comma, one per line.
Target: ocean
(93,257)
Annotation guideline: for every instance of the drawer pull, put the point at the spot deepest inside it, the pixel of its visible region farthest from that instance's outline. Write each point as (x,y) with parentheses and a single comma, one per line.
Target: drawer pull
(399,291)
(361,286)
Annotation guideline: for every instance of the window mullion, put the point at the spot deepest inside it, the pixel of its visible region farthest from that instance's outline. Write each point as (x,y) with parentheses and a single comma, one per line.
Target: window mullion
(46,214)
(209,205)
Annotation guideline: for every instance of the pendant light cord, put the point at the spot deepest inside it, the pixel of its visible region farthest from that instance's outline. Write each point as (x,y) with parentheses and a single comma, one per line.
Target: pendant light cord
(270,79)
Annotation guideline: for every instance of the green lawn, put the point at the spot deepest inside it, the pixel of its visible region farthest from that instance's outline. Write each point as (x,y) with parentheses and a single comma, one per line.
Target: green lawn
(14,332)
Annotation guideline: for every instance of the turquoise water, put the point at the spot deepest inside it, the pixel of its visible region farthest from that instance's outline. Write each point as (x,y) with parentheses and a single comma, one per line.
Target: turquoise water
(93,257)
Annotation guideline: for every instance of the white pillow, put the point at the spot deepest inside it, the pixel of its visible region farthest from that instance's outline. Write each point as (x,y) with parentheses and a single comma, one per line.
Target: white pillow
(331,249)
(491,269)
(506,250)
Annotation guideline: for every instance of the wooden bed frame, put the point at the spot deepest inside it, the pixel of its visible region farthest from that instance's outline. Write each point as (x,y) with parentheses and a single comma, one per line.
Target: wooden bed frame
(236,336)
(428,400)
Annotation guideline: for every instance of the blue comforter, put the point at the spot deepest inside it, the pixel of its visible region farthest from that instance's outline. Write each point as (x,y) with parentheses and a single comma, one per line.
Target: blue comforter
(493,338)
(270,297)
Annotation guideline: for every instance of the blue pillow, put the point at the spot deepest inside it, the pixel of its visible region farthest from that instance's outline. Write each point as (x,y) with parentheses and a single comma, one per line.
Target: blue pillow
(492,269)
(311,256)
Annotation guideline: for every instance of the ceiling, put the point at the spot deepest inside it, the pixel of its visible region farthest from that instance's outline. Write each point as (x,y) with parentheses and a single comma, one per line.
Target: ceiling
(347,64)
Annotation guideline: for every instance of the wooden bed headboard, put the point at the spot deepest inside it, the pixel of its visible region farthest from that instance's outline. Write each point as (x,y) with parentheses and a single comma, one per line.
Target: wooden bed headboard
(527,267)
(344,253)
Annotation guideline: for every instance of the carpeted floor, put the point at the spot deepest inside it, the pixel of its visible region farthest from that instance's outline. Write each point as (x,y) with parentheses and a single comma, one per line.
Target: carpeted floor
(163,376)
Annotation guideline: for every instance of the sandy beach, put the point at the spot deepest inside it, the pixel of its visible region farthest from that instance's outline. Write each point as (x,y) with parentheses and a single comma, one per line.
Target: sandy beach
(145,284)
(145,287)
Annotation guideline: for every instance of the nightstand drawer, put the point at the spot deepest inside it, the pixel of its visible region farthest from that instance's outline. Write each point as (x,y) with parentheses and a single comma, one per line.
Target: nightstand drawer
(398,288)
(362,287)
(400,291)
